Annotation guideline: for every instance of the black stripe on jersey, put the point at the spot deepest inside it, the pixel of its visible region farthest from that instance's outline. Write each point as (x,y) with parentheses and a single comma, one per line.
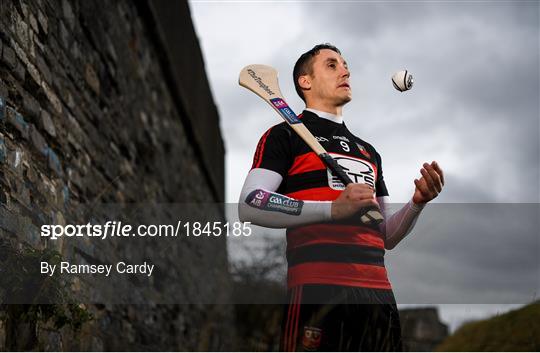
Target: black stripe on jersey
(336,253)
(304,181)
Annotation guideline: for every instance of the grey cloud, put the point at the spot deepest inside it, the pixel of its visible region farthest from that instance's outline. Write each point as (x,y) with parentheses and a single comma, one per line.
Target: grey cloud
(469,253)
(460,190)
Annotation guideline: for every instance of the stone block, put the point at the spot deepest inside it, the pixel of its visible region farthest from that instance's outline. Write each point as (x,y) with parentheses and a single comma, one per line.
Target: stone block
(21,32)
(19,72)
(2,108)
(52,97)
(65,37)
(33,22)
(43,22)
(67,11)
(38,141)
(54,163)
(4,198)
(43,68)
(91,78)
(15,159)
(46,123)
(9,58)
(31,106)
(3,90)
(3,151)
(30,174)
(16,120)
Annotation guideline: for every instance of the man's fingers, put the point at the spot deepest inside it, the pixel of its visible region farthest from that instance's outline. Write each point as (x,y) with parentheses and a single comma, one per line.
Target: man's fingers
(361,187)
(429,181)
(369,204)
(360,196)
(359,191)
(435,177)
(421,185)
(438,170)
(424,188)
(430,184)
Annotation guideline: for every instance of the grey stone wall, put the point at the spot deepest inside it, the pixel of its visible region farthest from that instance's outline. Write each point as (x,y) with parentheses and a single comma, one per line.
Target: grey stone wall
(108,102)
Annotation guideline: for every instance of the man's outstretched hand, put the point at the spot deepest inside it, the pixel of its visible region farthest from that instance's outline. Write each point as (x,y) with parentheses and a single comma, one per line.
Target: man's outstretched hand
(430,184)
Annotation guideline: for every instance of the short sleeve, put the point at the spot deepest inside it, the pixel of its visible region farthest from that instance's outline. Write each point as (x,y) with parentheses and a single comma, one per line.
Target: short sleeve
(380,185)
(274,151)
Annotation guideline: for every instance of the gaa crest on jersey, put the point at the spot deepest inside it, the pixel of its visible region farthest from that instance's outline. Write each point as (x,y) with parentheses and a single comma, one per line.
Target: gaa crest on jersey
(311,340)
(363,150)
(360,172)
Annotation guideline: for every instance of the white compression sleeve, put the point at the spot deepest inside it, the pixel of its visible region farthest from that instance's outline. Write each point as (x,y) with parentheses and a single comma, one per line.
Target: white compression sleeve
(398,225)
(261,205)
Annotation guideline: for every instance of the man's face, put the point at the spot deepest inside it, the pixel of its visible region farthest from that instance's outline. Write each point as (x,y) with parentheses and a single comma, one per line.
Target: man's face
(330,79)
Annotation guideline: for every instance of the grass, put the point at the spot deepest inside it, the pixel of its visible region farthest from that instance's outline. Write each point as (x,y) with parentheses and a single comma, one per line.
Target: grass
(518,330)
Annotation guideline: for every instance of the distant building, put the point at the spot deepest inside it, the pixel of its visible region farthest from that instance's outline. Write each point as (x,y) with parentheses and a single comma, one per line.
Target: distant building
(421,329)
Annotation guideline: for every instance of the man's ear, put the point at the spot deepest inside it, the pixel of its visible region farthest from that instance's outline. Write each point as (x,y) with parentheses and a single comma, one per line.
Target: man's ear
(304,82)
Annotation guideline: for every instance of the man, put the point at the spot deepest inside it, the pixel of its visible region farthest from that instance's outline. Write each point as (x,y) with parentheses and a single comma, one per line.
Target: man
(339,295)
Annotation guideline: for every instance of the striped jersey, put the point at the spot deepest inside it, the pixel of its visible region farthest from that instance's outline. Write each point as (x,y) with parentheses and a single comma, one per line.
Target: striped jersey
(344,253)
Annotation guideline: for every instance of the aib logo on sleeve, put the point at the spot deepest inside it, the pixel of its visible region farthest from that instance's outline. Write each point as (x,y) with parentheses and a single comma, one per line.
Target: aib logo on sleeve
(360,172)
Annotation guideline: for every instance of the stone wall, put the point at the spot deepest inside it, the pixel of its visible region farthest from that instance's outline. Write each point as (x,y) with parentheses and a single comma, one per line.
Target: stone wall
(106,102)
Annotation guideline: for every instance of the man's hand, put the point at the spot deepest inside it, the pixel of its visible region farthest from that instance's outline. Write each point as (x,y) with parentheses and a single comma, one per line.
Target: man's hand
(430,184)
(352,199)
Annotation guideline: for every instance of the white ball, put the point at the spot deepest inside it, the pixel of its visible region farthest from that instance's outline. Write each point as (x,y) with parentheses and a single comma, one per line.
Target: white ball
(402,80)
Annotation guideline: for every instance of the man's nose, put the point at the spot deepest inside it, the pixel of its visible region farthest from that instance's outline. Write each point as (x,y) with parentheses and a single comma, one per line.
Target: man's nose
(345,72)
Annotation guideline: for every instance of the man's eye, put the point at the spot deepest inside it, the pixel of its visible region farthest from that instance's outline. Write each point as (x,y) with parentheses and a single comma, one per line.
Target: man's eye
(332,65)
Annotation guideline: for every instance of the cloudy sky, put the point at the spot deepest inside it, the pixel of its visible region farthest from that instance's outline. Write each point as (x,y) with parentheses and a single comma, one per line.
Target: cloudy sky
(474,108)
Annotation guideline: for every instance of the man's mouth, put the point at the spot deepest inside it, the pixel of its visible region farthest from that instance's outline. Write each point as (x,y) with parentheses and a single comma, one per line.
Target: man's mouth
(346,85)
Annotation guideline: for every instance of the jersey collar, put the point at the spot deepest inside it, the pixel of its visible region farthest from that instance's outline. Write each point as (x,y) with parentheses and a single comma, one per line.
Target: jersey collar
(328,116)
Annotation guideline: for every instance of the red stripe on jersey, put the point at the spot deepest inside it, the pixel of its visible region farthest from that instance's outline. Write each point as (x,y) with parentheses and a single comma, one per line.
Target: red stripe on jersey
(306,162)
(341,274)
(333,234)
(323,193)
(257,160)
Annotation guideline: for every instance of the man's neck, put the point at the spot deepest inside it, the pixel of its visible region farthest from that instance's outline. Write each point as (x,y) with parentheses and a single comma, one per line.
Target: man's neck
(335,110)
(328,116)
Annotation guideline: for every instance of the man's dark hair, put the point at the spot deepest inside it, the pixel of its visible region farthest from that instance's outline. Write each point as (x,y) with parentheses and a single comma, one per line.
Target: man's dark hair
(304,64)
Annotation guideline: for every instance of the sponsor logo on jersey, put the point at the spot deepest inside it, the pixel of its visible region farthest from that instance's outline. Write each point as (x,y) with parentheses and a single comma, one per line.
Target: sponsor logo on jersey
(360,172)
(363,150)
(285,111)
(321,139)
(342,138)
(311,340)
(257,198)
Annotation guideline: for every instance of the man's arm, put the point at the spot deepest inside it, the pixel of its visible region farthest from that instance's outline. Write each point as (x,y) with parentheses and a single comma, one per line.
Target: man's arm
(261,205)
(428,187)
(398,225)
